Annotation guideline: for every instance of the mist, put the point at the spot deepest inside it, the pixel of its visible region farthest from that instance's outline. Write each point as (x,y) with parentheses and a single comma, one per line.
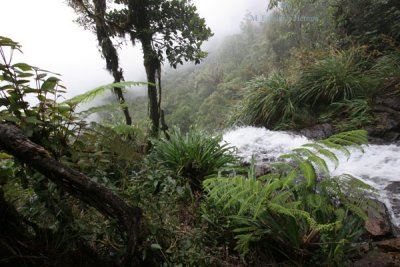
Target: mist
(51,39)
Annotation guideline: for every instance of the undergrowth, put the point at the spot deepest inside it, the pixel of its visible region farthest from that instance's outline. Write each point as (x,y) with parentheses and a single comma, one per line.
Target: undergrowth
(297,214)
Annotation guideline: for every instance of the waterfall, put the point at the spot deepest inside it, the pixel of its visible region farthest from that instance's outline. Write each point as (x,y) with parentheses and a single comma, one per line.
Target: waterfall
(378,165)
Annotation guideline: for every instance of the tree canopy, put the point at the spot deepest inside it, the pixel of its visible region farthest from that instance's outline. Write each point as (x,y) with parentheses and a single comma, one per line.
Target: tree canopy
(166,30)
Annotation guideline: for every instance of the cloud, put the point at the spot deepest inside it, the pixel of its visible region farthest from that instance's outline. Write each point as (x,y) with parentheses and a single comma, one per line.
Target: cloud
(224,16)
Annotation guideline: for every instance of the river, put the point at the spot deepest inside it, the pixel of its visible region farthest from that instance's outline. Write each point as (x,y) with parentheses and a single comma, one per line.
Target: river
(378,165)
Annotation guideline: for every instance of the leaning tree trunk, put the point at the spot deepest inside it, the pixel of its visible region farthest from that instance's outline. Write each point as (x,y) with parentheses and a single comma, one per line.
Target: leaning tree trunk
(110,53)
(13,141)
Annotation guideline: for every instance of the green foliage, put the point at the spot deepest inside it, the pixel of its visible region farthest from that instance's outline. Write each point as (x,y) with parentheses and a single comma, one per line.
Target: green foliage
(177,234)
(57,224)
(301,53)
(375,23)
(268,102)
(295,215)
(101,90)
(292,210)
(110,153)
(388,65)
(28,97)
(337,76)
(349,114)
(173,28)
(193,155)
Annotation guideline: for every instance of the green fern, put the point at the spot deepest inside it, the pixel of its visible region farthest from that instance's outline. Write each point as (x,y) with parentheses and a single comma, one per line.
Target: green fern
(291,209)
(103,108)
(92,94)
(308,157)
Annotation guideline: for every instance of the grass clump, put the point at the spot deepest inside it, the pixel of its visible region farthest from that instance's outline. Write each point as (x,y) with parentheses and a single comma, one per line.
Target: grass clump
(338,76)
(349,114)
(268,101)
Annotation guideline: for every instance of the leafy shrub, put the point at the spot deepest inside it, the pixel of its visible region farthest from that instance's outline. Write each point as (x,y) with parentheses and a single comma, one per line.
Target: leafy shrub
(58,228)
(268,102)
(29,98)
(292,213)
(336,77)
(193,155)
(375,23)
(109,153)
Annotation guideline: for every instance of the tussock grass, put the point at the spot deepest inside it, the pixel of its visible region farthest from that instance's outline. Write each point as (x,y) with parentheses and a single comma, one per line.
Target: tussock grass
(268,102)
(338,76)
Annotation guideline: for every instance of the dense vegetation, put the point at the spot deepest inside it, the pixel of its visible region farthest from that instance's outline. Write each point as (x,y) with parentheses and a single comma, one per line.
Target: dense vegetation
(311,69)
(107,193)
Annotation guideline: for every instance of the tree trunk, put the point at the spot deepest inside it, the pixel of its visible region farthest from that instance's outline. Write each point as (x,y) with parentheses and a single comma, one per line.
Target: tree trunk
(152,65)
(77,184)
(138,17)
(110,53)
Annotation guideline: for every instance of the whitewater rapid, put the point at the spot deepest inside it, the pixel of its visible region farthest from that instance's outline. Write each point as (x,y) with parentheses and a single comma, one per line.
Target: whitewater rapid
(378,165)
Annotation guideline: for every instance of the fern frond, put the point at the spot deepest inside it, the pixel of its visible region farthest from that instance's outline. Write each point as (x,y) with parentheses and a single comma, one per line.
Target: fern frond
(295,157)
(355,138)
(103,108)
(320,164)
(308,171)
(289,180)
(331,145)
(329,155)
(281,166)
(92,94)
(290,206)
(269,177)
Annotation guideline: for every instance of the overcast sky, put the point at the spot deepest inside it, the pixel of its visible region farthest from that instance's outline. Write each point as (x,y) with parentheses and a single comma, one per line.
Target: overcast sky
(51,40)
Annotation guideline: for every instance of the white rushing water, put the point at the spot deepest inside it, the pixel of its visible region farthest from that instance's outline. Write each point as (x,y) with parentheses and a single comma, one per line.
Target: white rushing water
(378,166)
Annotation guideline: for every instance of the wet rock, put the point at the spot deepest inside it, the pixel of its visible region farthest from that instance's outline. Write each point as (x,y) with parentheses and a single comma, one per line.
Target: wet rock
(393,194)
(263,166)
(390,245)
(386,109)
(379,259)
(388,96)
(319,131)
(384,253)
(393,187)
(387,126)
(379,222)
(262,169)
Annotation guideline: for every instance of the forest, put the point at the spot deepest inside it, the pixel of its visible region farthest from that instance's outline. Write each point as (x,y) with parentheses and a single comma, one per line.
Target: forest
(109,178)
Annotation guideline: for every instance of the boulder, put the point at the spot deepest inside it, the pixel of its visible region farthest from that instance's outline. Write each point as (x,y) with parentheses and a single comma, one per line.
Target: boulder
(389,94)
(384,253)
(379,222)
(393,187)
(262,169)
(389,245)
(319,131)
(386,109)
(387,125)
(379,259)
